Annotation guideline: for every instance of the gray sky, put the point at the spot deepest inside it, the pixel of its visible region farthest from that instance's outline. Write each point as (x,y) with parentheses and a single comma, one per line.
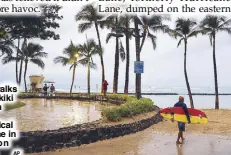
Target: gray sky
(162,67)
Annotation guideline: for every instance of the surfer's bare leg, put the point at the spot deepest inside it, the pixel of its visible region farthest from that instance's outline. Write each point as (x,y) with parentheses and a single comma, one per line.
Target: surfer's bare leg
(182,138)
(178,138)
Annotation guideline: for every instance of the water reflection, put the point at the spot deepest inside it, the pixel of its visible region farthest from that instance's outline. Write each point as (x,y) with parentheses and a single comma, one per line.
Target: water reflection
(179,149)
(47,114)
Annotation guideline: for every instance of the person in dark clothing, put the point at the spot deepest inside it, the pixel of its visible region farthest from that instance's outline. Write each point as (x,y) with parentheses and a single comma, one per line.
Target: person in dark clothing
(181,125)
(105,84)
(52,89)
(45,88)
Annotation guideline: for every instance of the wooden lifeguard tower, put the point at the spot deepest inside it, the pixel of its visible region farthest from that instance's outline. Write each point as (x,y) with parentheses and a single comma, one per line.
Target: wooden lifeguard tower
(36,83)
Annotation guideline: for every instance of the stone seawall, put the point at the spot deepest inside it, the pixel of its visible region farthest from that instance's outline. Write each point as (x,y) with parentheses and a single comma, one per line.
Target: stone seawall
(42,141)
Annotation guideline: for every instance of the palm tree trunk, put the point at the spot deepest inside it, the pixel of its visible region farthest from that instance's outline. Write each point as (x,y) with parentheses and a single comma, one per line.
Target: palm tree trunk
(16,67)
(215,73)
(127,58)
(26,63)
(186,76)
(73,79)
(20,72)
(101,57)
(88,78)
(116,67)
(138,76)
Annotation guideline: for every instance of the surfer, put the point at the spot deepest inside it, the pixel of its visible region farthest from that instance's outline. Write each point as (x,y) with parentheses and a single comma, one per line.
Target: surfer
(181,125)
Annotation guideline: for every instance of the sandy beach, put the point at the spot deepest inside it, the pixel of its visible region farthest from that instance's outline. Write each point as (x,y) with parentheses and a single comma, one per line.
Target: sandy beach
(205,139)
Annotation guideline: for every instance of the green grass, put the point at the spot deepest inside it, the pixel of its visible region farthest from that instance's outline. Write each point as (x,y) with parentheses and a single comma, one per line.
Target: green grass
(130,108)
(10,106)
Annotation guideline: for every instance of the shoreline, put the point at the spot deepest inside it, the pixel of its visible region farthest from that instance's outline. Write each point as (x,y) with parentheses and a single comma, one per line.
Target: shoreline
(195,94)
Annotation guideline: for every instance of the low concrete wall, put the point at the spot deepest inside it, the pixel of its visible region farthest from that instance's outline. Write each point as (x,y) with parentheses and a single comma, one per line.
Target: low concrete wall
(41,141)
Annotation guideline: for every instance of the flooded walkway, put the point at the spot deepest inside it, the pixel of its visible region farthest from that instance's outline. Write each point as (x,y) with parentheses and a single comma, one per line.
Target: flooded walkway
(149,142)
(42,114)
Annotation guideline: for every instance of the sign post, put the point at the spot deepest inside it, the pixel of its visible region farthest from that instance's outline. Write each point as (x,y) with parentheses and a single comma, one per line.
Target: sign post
(138,67)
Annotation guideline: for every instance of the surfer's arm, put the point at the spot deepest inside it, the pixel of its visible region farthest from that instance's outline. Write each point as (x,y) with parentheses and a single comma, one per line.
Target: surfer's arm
(187,113)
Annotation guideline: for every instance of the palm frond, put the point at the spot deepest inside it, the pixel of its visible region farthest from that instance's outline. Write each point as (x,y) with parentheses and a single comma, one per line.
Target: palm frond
(93,65)
(225,29)
(84,26)
(38,62)
(7,59)
(109,35)
(174,33)
(121,51)
(157,28)
(71,67)
(180,42)
(40,54)
(153,39)
(84,61)
(60,59)
(225,24)
(194,33)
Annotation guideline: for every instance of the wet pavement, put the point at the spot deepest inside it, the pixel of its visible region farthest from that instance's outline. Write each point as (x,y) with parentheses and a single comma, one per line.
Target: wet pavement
(48,114)
(149,142)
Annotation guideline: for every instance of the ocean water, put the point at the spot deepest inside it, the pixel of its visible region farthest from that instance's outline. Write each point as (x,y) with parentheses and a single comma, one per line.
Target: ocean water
(200,101)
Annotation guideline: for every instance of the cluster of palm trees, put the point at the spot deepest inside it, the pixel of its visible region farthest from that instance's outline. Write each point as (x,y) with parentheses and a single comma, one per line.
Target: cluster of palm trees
(140,28)
(80,55)
(26,53)
(145,27)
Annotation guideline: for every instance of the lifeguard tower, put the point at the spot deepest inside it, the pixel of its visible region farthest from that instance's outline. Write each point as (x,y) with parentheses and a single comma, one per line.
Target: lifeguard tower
(36,83)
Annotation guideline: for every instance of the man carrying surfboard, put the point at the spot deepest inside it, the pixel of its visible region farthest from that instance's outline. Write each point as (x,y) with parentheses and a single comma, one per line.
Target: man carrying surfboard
(181,125)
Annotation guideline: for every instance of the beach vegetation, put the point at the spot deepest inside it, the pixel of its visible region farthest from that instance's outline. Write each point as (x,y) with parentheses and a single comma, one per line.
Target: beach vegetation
(11,106)
(131,107)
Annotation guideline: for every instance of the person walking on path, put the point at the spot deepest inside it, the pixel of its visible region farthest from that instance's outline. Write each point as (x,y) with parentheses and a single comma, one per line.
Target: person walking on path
(105,84)
(181,125)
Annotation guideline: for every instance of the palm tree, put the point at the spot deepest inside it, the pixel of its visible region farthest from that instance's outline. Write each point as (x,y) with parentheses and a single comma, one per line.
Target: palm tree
(90,17)
(137,36)
(154,23)
(119,50)
(210,25)
(145,24)
(185,29)
(125,29)
(32,53)
(127,36)
(88,50)
(72,53)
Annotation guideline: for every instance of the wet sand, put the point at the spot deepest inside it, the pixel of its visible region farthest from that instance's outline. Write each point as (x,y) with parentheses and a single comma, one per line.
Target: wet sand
(161,139)
(148,142)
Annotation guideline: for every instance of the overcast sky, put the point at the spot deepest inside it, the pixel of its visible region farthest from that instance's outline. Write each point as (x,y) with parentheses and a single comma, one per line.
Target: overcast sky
(162,67)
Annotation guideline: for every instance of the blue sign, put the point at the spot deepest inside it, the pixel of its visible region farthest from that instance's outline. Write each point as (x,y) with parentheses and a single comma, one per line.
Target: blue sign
(139,67)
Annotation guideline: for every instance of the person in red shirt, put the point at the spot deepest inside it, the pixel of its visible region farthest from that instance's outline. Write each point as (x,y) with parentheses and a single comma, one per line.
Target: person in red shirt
(105,87)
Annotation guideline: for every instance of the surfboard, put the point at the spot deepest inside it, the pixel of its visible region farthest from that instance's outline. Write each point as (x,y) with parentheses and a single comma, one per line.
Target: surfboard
(178,114)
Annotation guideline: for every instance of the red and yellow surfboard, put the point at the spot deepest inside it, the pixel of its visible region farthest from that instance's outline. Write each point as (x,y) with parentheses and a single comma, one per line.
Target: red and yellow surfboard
(178,114)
